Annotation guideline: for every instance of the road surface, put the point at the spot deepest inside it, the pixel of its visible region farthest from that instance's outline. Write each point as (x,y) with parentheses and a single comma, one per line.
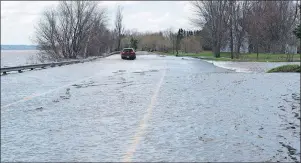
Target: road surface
(153,108)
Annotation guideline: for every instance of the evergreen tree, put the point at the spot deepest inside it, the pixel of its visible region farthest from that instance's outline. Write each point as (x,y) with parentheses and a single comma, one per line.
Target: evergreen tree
(180,35)
(297,31)
(134,43)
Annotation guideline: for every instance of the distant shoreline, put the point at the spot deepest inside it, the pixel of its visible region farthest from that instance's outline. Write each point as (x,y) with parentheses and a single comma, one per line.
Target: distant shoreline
(18,47)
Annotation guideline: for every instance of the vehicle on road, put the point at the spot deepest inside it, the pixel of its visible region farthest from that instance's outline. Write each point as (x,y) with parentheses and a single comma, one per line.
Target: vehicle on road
(128,53)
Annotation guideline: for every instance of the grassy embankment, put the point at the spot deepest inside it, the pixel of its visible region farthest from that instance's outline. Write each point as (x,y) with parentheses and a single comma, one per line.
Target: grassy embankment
(226,56)
(286,68)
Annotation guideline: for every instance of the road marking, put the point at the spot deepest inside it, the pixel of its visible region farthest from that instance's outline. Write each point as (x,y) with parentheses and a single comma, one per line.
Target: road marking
(30,97)
(142,125)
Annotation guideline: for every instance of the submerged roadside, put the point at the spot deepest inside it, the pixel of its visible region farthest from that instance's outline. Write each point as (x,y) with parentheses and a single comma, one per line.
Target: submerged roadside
(250,67)
(239,66)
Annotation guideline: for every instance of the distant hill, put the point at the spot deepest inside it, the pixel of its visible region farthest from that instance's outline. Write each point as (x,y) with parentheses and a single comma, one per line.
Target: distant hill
(18,47)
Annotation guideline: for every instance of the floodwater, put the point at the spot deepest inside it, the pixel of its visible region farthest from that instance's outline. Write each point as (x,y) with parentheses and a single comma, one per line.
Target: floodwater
(10,58)
(154,108)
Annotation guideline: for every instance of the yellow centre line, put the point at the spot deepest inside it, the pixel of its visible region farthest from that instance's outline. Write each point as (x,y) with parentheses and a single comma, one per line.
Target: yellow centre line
(141,129)
(27,98)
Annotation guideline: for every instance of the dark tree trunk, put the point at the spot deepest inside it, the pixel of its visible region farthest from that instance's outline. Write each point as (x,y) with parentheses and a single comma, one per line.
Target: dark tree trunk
(231,31)
(238,49)
(257,53)
(300,46)
(118,44)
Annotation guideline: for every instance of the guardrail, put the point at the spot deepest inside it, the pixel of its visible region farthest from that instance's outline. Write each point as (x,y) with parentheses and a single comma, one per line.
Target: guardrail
(112,53)
(44,65)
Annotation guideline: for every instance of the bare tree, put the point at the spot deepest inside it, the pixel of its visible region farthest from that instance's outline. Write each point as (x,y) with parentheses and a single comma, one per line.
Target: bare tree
(67,31)
(270,25)
(46,34)
(263,26)
(99,40)
(192,44)
(240,12)
(119,27)
(206,37)
(255,23)
(171,38)
(215,14)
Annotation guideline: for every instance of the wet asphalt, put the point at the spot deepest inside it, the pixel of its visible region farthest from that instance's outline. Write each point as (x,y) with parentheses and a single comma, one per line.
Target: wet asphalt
(154,108)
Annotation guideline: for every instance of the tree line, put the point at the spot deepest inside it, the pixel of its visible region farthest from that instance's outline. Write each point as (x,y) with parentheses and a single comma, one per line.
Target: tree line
(164,41)
(267,26)
(78,29)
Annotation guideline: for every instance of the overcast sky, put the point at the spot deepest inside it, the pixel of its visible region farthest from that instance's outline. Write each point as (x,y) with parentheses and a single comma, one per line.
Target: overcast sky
(18,18)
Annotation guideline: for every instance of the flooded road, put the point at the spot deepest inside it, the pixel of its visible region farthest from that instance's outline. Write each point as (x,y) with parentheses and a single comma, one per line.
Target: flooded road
(154,108)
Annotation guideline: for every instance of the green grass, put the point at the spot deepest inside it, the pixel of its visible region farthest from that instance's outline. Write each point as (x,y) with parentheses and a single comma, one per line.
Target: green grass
(286,68)
(252,57)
